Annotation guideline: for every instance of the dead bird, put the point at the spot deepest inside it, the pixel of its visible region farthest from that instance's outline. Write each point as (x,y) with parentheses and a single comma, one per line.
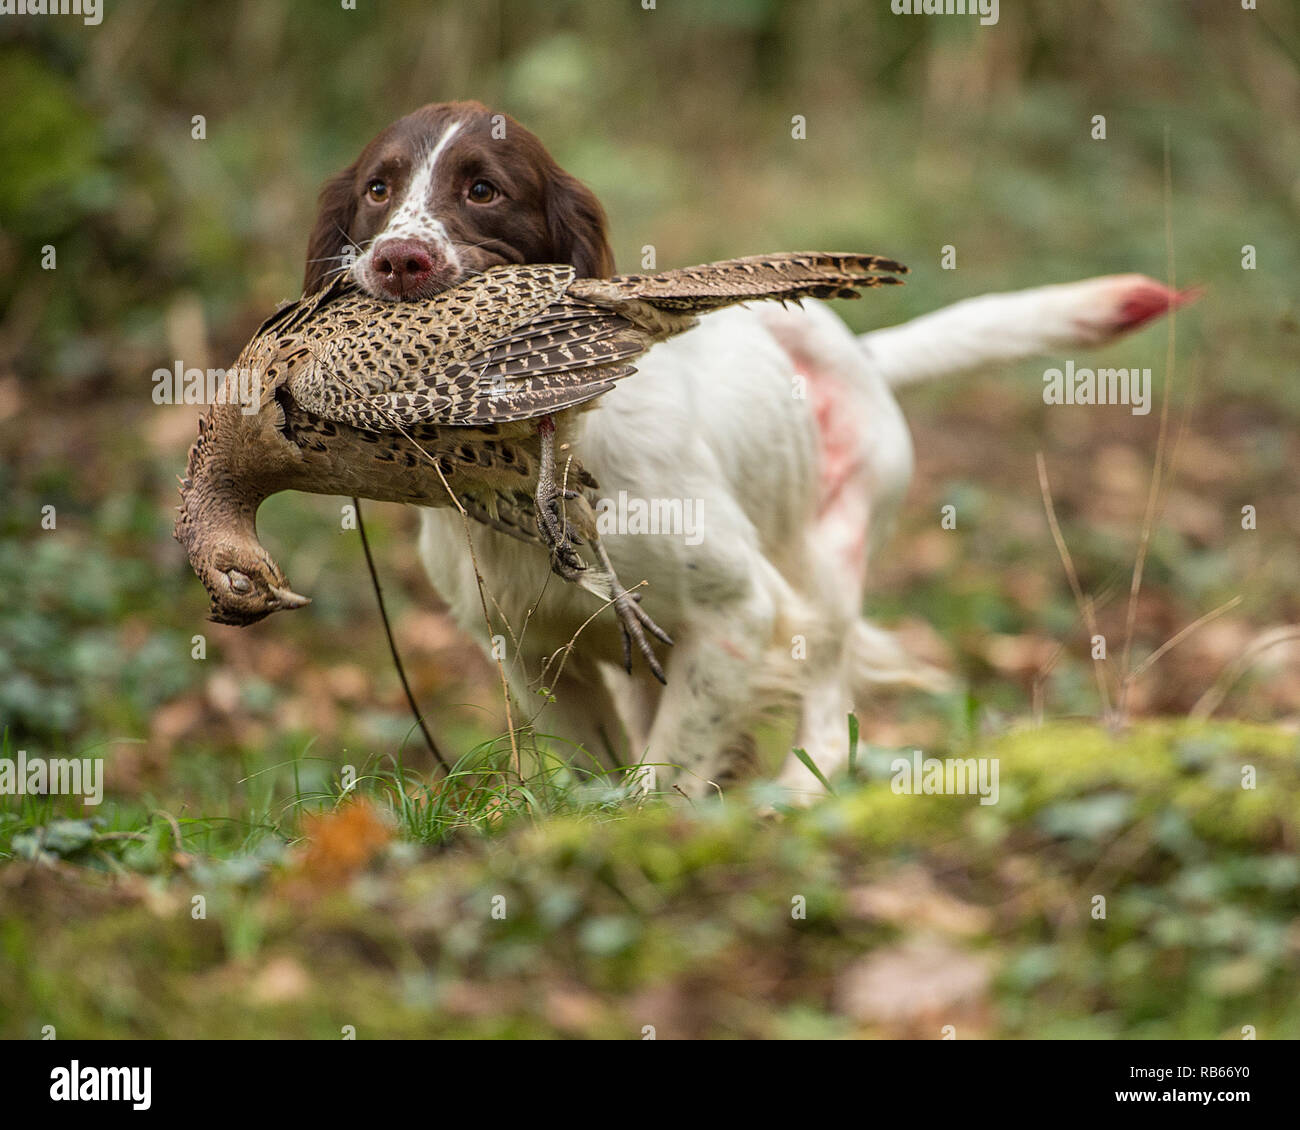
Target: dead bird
(463,400)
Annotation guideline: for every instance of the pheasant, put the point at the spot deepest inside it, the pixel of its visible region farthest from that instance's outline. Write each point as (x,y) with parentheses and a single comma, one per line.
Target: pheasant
(461,399)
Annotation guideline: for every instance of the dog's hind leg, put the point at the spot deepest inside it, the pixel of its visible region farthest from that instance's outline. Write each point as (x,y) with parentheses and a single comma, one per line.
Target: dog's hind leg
(712,679)
(822,733)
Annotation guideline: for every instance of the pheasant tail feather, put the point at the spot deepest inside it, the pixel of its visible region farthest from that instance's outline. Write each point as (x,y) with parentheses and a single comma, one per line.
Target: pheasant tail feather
(794,275)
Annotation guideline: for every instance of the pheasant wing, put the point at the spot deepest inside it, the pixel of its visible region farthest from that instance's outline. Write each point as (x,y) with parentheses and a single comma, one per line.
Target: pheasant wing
(519,342)
(580,345)
(538,360)
(382,365)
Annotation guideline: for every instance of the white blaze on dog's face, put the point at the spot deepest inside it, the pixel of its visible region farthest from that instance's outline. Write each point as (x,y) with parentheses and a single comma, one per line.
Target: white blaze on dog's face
(445,192)
(414,254)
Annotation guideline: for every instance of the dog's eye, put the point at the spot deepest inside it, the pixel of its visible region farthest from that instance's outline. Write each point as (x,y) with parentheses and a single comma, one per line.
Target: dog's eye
(481,192)
(377,190)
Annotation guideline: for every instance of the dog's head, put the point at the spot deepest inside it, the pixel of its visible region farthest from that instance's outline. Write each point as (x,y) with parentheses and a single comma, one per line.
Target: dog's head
(445,192)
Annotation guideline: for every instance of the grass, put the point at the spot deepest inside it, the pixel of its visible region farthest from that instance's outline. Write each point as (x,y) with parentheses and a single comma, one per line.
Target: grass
(482,794)
(711,919)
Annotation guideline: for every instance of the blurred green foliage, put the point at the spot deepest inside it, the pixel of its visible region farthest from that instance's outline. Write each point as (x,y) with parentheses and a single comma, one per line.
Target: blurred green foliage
(921,132)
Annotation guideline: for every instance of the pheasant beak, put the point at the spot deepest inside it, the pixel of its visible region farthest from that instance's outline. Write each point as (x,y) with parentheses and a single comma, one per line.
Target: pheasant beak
(289,599)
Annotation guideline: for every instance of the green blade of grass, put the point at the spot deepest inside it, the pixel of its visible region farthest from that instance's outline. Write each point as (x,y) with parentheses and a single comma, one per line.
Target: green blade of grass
(802,755)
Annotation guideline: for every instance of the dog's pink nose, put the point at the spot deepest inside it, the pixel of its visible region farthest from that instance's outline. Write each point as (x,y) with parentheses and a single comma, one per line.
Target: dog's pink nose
(403,266)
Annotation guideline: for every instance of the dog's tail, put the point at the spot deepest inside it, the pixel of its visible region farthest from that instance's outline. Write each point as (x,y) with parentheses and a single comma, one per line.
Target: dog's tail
(997,329)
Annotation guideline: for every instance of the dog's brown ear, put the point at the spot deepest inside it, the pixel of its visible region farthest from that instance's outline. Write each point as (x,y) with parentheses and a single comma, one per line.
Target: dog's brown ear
(576,225)
(335,211)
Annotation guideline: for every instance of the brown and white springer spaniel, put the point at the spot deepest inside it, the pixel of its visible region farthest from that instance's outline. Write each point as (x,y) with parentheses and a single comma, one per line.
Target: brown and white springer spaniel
(446,191)
(776,430)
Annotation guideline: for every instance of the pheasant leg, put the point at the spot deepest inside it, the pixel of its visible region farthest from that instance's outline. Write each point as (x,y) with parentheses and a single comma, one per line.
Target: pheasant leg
(556,532)
(633,619)
(560,538)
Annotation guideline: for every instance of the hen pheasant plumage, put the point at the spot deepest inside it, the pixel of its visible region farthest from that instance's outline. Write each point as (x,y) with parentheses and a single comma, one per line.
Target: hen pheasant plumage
(454,400)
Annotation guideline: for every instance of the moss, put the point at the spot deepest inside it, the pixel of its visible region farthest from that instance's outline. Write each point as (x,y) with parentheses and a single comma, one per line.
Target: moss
(716,921)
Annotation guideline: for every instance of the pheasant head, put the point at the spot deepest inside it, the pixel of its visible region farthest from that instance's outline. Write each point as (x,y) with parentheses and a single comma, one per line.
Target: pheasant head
(217,526)
(244,583)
